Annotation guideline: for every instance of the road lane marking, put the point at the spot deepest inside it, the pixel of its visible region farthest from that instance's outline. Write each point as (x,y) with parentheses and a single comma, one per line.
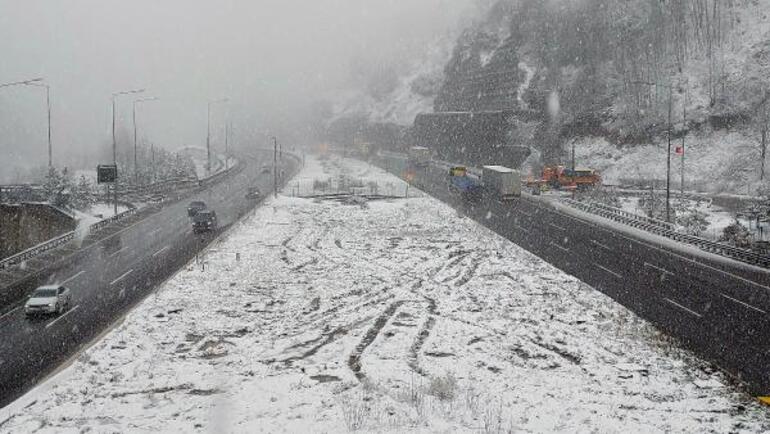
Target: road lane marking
(74,277)
(663,270)
(557,227)
(609,271)
(62,316)
(520,228)
(121,277)
(558,246)
(159,252)
(10,312)
(690,311)
(601,245)
(744,304)
(112,255)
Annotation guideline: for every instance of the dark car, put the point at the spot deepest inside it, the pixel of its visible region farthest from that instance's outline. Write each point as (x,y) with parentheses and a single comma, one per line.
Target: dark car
(253,193)
(195,207)
(204,221)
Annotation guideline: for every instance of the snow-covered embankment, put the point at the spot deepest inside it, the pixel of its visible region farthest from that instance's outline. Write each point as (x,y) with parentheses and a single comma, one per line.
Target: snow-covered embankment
(398,316)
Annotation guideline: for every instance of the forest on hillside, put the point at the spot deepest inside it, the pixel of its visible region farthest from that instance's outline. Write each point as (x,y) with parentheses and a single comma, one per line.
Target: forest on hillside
(617,68)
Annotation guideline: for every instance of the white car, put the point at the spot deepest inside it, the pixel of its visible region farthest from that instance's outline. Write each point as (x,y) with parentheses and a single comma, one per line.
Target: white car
(48,299)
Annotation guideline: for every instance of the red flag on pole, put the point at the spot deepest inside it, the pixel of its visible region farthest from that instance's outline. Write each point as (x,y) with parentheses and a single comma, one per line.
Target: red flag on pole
(679,150)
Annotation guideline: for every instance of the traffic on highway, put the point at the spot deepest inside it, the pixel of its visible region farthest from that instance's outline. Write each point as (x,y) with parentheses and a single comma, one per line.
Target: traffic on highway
(88,295)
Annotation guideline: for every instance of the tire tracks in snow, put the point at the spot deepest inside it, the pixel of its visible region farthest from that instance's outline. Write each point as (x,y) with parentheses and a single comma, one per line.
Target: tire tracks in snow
(354,361)
(413,358)
(469,272)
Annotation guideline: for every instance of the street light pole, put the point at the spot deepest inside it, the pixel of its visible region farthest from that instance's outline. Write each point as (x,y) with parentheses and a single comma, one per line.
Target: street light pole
(668,161)
(38,82)
(48,107)
(208,138)
(208,133)
(227,145)
(114,141)
(50,145)
(21,83)
(275,166)
(136,166)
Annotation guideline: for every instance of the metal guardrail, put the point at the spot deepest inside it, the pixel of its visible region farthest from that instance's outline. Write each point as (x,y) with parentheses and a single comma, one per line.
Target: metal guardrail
(38,249)
(108,221)
(666,230)
(60,240)
(624,213)
(69,236)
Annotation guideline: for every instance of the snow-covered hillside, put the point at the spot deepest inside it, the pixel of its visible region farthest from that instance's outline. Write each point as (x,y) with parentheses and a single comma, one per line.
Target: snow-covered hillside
(715,161)
(314,316)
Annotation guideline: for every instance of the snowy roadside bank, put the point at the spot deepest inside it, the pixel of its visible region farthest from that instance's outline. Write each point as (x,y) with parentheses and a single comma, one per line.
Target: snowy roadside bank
(399,316)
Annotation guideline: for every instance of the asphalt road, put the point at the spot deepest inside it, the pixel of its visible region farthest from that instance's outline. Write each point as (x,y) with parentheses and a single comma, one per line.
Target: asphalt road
(111,276)
(719,309)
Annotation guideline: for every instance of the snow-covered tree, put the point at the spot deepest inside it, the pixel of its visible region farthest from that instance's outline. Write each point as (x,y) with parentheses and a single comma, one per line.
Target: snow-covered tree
(58,187)
(82,194)
(693,222)
(736,234)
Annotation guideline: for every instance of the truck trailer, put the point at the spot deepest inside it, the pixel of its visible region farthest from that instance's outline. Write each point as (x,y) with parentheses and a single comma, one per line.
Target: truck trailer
(419,156)
(501,182)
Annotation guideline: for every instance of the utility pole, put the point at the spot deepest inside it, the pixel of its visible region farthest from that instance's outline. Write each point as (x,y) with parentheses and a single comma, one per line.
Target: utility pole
(275,166)
(573,157)
(668,154)
(684,123)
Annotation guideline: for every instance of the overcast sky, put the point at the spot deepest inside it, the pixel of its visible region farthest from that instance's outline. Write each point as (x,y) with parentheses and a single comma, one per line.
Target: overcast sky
(267,56)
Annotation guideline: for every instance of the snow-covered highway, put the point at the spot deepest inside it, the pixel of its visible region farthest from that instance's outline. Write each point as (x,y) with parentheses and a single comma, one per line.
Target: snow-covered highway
(318,316)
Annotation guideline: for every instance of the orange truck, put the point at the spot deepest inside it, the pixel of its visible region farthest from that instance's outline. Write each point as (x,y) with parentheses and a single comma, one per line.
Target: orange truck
(560,177)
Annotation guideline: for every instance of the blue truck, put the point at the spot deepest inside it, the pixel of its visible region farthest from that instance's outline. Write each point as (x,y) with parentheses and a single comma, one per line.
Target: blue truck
(466,187)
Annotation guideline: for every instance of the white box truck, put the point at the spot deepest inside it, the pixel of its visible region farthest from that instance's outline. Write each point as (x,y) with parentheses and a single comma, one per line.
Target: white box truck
(501,182)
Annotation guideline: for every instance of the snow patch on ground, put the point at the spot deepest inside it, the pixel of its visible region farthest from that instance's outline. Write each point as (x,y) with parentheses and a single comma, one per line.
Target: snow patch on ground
(314,316)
